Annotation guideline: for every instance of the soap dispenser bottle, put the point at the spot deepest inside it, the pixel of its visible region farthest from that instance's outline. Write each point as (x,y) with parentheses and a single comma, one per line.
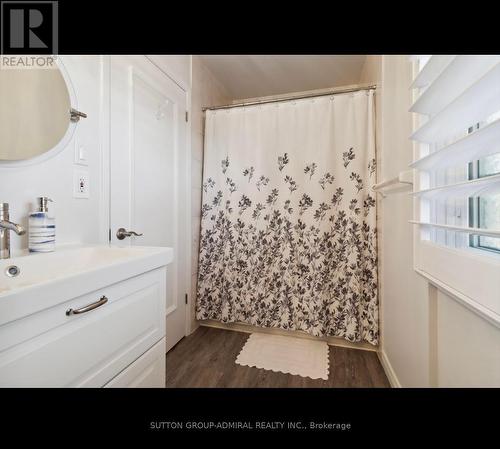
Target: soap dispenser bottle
(42,228)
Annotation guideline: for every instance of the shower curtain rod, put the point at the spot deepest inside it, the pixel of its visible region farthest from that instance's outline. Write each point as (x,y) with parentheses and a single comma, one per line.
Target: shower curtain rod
(341,90)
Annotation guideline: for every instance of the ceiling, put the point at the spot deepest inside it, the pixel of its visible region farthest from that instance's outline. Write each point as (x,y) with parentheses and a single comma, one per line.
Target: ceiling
(247,76)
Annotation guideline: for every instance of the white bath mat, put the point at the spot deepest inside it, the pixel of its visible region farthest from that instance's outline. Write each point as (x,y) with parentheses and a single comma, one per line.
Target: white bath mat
(300,356)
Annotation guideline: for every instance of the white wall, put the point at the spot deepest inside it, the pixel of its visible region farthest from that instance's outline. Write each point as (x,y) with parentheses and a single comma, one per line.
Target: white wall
(404,294)
(77,220)
(428,338)
(177,67)
(468,348)
(206,91)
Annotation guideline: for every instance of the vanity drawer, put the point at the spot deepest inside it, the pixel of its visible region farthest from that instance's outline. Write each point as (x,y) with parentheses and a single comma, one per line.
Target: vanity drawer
(52,349)
(148,371)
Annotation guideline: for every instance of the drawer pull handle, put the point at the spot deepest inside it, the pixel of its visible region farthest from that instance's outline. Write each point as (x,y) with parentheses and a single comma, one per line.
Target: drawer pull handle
(88,308)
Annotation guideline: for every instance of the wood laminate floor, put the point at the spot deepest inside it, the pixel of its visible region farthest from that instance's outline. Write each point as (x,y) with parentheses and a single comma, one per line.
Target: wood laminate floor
(206,358)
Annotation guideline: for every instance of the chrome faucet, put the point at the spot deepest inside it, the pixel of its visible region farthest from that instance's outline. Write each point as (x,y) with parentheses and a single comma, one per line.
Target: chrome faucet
(5,227)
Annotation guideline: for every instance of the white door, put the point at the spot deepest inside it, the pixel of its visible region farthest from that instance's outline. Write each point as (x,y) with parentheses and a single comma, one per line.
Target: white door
(148,171)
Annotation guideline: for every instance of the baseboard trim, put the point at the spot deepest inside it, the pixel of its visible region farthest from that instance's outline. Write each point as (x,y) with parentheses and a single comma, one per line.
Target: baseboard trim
(389,371)
(248,328)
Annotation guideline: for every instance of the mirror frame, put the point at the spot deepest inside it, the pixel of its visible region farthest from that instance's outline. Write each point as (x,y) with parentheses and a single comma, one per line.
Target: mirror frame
(68,136)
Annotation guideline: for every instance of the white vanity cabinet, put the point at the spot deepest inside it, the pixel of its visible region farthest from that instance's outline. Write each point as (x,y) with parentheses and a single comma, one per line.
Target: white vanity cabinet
(117,339)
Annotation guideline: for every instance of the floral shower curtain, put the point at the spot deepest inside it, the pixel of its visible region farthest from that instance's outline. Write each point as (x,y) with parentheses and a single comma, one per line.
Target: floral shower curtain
(288,236)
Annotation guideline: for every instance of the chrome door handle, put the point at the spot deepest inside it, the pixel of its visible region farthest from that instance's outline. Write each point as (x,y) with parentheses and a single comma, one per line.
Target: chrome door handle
(88,308)
(122,233)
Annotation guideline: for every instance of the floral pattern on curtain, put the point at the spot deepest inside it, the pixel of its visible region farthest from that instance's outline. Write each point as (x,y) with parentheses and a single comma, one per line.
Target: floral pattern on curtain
(288,236)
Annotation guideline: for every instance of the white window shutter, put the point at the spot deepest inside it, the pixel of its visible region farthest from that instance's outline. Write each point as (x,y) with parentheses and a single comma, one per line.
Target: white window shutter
(460,91)
(457,105)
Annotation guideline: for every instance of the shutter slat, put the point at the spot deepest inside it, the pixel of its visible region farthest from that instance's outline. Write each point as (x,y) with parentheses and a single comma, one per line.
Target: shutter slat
(468,188)
(483,142)
(475,231)
(475,104)
(431,70)
(461,73)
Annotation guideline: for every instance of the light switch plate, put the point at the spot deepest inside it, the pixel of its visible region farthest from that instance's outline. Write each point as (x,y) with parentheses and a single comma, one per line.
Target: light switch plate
(80,153)
(81,186)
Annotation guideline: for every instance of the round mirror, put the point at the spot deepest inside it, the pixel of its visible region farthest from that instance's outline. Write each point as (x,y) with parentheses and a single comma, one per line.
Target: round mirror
(34,112)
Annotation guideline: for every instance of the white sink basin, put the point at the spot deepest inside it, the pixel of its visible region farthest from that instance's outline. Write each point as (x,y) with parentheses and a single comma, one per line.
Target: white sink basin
(44,280)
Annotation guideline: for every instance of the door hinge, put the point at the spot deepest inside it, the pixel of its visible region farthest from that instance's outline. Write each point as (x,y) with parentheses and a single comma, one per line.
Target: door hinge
(187,116)
(186,298)
(109,234)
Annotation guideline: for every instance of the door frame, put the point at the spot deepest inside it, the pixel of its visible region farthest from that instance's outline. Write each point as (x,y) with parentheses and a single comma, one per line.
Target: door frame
(105,175)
